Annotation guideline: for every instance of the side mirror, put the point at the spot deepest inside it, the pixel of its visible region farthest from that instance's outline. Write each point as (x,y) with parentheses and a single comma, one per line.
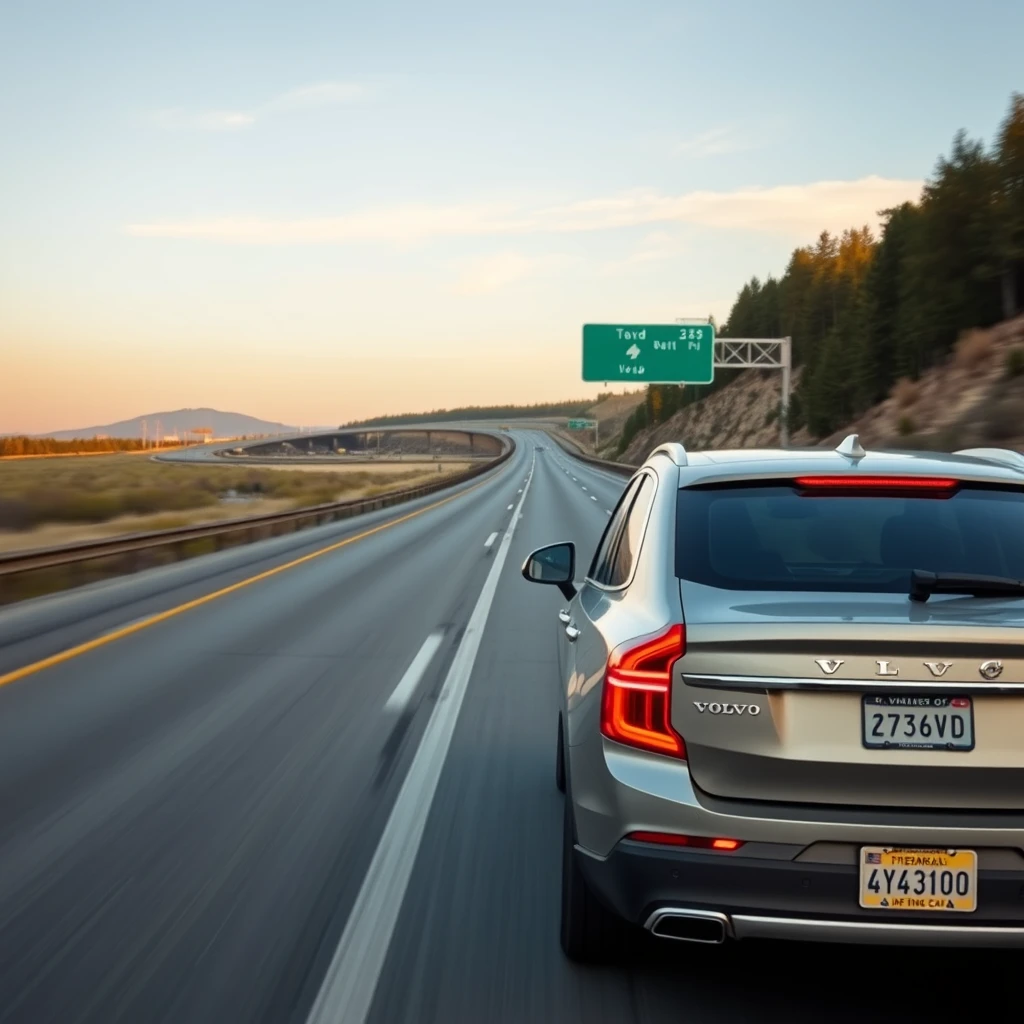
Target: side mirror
(554,564)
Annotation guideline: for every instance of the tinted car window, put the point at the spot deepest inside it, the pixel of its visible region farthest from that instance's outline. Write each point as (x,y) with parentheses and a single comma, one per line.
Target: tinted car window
(629,539)
(601,567)
(774,538)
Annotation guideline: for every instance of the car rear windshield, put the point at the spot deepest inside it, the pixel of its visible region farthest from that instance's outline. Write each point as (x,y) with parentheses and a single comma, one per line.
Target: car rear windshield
(777,538)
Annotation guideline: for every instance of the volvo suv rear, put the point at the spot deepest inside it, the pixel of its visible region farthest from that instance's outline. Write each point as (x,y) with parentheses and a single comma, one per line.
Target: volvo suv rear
(792,701)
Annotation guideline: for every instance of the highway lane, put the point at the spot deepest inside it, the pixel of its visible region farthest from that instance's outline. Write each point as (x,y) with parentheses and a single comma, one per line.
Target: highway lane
(188,808)
(193,814)
(599,486)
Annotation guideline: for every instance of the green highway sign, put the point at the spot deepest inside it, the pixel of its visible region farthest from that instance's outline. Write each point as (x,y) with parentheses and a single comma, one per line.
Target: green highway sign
(580,424)
(652,353)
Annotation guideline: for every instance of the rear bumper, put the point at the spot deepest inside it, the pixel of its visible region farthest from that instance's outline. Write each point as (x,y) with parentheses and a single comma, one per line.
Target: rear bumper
(782,899)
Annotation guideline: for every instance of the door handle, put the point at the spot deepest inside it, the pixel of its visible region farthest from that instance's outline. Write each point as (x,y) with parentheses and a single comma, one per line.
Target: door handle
(564,617)
(572,633)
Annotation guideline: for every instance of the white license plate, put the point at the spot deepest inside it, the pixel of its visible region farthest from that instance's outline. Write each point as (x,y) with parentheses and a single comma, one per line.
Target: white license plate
(897,722)
(905,879)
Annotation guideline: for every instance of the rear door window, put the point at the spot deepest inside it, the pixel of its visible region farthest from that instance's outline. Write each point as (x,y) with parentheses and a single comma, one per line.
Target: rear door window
(601,566)
(624,555)
(775,537)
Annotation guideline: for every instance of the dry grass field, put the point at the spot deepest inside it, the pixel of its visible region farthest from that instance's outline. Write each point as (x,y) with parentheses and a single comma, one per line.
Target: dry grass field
(50,502)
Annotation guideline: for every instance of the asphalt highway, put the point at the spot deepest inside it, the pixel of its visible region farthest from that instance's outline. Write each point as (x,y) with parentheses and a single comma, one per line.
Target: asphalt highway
(311,780)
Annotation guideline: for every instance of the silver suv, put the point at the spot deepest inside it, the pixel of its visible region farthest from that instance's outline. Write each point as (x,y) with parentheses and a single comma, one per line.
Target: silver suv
(792,701)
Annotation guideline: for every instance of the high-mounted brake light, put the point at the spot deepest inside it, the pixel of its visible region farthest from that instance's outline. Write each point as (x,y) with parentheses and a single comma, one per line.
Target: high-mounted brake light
(636,703)
(861,483)
(693,842)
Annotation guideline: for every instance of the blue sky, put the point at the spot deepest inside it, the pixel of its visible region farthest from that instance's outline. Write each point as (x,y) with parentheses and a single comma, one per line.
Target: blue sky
(317,211)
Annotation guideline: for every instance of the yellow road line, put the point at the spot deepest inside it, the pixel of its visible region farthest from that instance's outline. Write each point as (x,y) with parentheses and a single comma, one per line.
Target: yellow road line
(136,627)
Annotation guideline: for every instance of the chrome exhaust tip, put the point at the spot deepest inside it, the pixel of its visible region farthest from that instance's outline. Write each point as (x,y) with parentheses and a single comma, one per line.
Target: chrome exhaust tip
(683,925)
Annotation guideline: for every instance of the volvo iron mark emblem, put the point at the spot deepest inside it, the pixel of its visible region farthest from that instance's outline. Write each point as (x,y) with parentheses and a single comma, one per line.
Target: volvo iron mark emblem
(988,669)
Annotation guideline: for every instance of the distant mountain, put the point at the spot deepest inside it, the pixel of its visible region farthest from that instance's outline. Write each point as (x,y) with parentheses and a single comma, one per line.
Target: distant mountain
(179,422)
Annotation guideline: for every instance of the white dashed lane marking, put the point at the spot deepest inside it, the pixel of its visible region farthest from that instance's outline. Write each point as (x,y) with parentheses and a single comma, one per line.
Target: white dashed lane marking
(406,687)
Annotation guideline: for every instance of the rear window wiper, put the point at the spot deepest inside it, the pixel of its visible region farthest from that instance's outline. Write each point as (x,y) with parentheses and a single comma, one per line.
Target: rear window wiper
(923,584)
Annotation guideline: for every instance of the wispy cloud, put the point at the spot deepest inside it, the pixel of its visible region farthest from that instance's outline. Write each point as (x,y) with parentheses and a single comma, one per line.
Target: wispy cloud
(494,272)
(788,210)
(224,120)
(715,142)
(323,94)
(656,247)
(307,97)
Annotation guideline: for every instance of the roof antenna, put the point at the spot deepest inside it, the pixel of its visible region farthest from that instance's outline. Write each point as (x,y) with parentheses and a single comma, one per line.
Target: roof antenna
(851,447)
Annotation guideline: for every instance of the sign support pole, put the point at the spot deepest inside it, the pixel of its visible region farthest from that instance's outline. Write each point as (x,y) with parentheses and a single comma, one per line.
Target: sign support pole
(787,357)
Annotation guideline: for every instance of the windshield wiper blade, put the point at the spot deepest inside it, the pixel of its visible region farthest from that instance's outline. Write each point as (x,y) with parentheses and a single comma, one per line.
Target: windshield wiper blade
(923,584)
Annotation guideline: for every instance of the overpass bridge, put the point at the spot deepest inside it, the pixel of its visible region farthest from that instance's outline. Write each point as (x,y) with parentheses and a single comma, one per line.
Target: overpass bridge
(460,441)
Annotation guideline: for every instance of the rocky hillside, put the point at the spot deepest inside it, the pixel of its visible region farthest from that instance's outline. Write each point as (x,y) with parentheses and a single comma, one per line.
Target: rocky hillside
(974,398)
(743,414)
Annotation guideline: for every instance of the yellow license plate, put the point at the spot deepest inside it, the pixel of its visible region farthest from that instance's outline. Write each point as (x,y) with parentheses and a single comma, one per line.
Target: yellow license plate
(906,879)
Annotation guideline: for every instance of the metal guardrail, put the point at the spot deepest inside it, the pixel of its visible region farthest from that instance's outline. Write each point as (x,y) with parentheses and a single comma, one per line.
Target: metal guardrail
(136,550)
(621,468)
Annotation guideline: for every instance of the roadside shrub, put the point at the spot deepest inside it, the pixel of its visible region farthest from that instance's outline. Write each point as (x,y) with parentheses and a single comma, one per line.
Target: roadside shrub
(15,514)
(1014,364)
(905,426)
(905,392)
(973,350)
(1005,419)
(321,496)
(75,508)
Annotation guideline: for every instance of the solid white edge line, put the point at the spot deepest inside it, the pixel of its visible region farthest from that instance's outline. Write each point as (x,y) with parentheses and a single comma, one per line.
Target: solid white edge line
(490,540)
(414,673)
(347,992)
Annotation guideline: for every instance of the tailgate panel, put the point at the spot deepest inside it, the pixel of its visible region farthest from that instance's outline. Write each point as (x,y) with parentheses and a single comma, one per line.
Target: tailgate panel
(798,736)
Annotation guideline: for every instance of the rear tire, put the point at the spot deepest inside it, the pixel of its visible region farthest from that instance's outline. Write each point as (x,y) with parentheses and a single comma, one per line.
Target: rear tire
(560,757)
(590,934)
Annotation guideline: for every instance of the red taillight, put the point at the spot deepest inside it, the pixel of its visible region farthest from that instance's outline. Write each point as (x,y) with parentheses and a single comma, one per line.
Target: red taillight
(636,704)
(855,482)
(694,842)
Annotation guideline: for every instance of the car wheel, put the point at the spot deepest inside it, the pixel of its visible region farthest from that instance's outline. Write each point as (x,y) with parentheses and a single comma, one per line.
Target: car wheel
(590,932)
(560,758)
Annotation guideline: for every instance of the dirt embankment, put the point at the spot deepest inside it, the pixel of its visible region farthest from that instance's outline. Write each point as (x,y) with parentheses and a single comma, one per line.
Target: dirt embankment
(974,398)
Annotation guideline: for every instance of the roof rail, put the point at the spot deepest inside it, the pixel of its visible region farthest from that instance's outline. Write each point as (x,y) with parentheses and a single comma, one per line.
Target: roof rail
(1004,456)
(674,450)
(851,447)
